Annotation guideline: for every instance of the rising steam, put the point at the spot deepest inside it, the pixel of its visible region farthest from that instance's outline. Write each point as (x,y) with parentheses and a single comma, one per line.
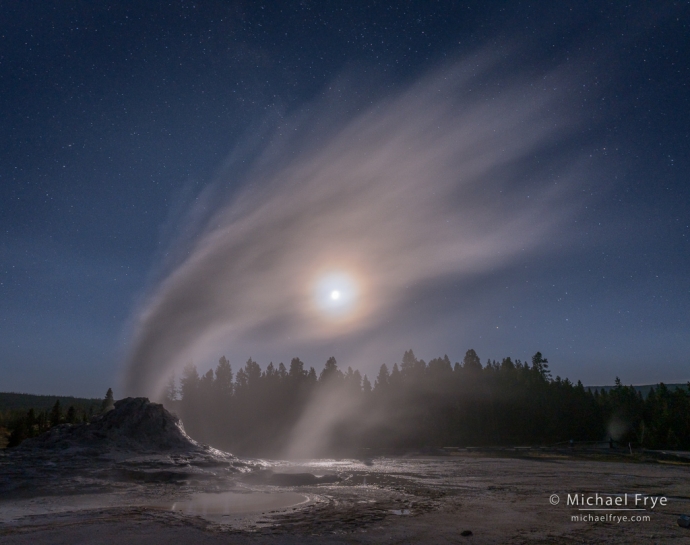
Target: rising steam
(428,184)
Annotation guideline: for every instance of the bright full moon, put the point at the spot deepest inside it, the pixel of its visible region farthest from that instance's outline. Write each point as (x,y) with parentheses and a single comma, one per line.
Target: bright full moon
(336,293)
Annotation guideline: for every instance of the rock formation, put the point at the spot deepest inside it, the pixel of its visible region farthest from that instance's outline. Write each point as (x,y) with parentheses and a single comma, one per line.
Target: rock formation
(134,424)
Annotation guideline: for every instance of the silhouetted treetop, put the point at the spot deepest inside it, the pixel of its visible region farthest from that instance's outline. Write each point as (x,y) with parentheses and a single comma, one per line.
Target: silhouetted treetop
(330,370)
(471,361)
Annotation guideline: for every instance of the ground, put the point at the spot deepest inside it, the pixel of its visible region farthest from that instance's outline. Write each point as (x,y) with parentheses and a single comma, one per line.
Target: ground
(499,498)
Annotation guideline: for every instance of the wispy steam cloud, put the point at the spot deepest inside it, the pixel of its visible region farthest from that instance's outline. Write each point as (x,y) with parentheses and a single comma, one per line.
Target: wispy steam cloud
(436,181)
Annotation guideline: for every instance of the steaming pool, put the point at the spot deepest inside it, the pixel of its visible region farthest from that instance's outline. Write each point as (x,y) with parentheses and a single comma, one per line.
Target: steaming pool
(218,506)
(215,507)
(385,499)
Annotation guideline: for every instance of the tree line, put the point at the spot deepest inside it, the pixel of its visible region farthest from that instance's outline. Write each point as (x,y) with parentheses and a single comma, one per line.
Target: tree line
(420,404)
(410,406)
(23,425)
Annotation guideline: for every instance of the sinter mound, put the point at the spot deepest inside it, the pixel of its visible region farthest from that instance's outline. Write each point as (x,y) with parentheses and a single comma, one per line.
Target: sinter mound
(135,424)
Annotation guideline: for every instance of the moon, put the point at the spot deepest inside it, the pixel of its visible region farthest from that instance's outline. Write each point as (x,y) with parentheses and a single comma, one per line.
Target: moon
(336,294)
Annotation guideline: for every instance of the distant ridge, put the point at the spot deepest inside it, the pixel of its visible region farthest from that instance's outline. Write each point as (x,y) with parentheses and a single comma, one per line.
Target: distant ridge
(10,401)
(644,389)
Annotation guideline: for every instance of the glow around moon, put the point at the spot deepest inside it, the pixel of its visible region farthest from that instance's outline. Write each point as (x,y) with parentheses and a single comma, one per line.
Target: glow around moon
(336,294)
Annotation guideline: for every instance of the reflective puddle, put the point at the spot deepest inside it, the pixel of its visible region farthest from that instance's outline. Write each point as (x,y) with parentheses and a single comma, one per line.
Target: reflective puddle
(215,506)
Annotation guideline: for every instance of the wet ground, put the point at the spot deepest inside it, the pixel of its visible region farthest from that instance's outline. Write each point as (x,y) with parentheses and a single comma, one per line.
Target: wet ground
(465,498)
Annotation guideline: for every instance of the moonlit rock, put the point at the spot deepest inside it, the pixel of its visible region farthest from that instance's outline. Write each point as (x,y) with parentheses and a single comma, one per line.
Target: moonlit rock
(134,424)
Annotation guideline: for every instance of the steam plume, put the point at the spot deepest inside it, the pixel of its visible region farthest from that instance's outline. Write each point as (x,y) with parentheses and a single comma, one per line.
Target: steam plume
(430,183)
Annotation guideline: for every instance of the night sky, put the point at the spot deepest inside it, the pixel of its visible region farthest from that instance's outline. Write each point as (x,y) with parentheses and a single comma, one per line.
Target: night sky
(136,135)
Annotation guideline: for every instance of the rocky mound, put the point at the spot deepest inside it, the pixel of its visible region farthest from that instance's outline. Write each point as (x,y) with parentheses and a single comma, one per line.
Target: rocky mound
(135,424)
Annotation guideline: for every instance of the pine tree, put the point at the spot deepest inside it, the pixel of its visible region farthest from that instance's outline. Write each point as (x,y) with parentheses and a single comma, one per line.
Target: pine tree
(394,379)
(189,383)
(311,376)
(171,390)
(253,371)
(330,370)
(409,363)
(383,378)
(540,366)
(366,385)
(55,414)
(297,371)
(224,377)
(471,361)
(109,402)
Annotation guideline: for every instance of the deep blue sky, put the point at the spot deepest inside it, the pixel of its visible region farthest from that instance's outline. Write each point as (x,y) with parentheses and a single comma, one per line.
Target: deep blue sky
(116,114)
